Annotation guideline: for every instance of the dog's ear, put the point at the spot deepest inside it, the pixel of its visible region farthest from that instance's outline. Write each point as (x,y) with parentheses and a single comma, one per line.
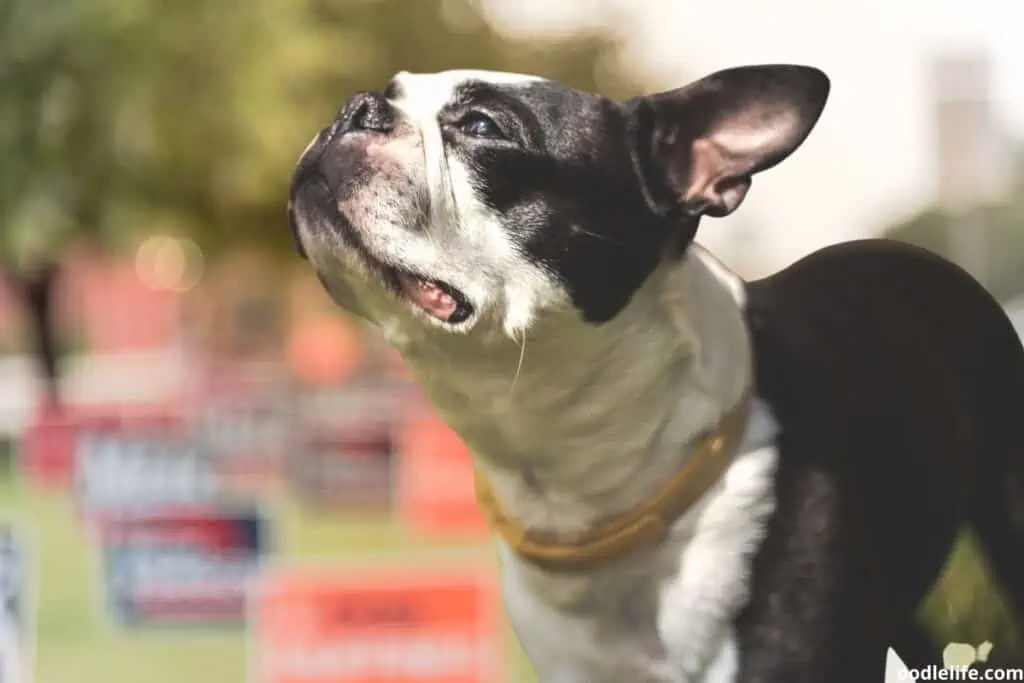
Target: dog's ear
(697,147)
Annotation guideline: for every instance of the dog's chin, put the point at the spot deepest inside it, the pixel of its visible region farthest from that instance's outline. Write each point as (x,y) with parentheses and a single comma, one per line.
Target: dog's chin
(436,301)
(433,299)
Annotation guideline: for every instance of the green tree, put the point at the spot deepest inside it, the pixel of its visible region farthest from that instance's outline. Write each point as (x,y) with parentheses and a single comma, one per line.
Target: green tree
(126,116)
(998,228)
(62,168)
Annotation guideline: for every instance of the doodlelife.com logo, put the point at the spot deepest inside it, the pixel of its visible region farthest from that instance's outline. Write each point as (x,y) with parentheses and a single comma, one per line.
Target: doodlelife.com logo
(958,660)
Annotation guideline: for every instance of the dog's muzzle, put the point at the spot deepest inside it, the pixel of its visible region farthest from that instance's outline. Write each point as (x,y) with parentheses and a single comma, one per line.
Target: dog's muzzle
(333,169)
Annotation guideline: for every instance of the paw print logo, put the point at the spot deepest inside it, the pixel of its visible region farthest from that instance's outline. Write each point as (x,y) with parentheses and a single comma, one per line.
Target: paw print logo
(963,655)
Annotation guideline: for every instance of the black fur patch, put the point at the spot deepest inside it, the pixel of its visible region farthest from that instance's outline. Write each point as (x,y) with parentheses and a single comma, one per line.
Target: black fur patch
(568,191)
(897,381)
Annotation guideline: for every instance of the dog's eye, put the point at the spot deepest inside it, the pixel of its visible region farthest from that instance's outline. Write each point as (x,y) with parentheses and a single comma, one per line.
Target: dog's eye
(478,125)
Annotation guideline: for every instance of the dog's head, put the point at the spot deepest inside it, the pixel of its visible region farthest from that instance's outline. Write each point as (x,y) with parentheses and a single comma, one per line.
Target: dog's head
(466,201)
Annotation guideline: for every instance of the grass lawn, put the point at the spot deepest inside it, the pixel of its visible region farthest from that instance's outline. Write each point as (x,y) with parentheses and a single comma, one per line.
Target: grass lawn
(76,645)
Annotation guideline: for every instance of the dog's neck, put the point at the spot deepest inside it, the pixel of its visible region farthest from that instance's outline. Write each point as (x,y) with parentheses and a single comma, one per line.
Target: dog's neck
(582,422)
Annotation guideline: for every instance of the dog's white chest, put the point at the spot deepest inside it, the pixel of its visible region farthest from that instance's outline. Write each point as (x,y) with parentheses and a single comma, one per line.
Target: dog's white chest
(665,617)
(581,636)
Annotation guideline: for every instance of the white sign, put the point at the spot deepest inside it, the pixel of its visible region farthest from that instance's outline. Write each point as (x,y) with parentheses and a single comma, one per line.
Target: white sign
(116,471)
(15,636)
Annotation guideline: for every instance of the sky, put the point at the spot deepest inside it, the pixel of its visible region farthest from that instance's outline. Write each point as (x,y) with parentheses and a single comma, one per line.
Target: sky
(870,159)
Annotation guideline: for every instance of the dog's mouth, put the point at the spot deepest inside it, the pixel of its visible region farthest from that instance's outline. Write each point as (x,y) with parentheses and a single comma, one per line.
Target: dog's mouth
(437,299)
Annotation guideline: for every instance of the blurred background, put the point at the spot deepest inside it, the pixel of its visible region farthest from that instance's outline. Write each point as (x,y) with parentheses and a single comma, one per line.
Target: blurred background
(209,472)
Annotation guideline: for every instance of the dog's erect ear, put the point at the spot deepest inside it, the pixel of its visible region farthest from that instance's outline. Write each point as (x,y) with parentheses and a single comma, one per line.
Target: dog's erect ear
(697,147)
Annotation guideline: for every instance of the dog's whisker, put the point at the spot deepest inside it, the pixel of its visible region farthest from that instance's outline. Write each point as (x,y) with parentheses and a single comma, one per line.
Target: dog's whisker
(519,367)
(595,235)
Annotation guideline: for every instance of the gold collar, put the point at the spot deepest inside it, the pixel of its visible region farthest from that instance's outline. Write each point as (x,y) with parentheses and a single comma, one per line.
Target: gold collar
(647,523)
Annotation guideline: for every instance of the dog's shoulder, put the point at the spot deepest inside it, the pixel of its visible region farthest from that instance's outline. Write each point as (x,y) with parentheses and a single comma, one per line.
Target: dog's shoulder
(862,281)
(849,313)
(866,354)
(829,331)
(867,298)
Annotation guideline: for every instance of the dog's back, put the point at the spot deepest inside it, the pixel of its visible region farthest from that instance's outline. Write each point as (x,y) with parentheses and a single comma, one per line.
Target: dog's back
(899,383)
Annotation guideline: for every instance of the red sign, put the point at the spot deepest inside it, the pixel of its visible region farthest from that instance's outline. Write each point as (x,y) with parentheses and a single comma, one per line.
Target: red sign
(435,491)
(378,625)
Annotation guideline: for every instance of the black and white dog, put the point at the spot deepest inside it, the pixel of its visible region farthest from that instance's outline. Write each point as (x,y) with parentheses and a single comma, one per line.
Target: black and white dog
(694,478)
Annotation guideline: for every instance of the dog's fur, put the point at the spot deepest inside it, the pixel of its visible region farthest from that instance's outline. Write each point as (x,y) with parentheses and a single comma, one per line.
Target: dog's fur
(595,342)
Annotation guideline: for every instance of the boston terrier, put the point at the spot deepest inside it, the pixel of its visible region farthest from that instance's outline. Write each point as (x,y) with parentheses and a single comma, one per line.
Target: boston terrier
(691,477)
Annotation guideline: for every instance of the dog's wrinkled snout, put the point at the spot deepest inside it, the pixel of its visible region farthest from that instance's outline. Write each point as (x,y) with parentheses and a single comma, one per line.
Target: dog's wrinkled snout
(365,111)
(340,160)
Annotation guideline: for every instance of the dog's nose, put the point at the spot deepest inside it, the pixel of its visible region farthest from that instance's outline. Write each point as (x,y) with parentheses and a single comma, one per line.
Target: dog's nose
(365,111)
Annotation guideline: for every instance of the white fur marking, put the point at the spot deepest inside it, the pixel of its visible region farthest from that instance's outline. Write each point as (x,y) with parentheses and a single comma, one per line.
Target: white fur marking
(575,629)
(698,603)
(662,616)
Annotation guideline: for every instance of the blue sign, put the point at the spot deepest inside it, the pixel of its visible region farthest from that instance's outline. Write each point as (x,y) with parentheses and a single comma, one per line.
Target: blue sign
(182,567)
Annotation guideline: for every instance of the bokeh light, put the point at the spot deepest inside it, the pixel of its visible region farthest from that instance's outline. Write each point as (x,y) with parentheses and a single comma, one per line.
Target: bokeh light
(169,263)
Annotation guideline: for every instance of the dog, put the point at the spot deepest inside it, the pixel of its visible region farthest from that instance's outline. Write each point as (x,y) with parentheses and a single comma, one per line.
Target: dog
(691,477)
